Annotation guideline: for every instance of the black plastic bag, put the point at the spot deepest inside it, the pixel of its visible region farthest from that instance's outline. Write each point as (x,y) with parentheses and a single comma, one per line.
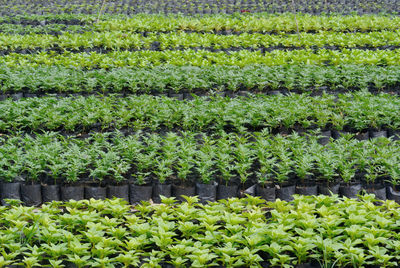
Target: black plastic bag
(328,189)
(392,194)
(227,191)
(72,192)
(139,193)
(10,190)
(207,192)
(50,193)
(161,189)
(178,191)
(119,191)
(377,134)
(307,190)
(350,191)
(325,137)
(286,192)
(378,190)
(31,194)
(266,193)
(362,136)
(96,192)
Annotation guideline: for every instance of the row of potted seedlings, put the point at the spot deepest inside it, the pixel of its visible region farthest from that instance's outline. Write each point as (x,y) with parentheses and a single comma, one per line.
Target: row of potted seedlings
(358,112)
(143,166)
(36,194)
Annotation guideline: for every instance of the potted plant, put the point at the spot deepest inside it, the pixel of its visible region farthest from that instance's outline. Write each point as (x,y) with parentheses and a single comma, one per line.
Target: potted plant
(265,186)
(78,163)
(303,166)
(243,156)
(141,189)
(347,171)
(51,189)
(162,172)
(283,169)
(31,191)
(163,166)
(266,160)
(128,148)
(183,185)
(375,170)
(377,119)
(393,190)
(338,122)
(206,189)
(223,160)
(326,168)
(10,171)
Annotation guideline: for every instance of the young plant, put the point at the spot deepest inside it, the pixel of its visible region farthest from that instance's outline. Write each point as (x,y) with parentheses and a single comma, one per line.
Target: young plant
(205,160)
(108,165)
(327,165)
(78,162)
(223,159)
(244,156)
(185,159)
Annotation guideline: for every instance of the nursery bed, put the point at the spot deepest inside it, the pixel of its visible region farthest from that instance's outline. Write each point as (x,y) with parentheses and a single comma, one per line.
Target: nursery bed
(307,232)
(144,166)
(196,7)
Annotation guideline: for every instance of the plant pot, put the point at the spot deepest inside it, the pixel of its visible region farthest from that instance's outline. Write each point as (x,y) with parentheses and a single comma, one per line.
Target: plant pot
(230,94)
(118,191)
(328,189)
(267,193)
(362,136)
(285,192)
(95,192)
(31,194)
(10,190)
(227,191)
(250,191)
(178,191)
(161,189)
(188,96)
(376,134)
(207,192)
(336,134)
(72,192)
(273,92)
(243,93)
(219,93)
(394,134)
(139,193)
(307,190)
(325,137)
(178,96)
(17,96)
(30,95)
(50,193)
(379,190)
(393,194)
(350,191)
